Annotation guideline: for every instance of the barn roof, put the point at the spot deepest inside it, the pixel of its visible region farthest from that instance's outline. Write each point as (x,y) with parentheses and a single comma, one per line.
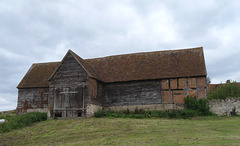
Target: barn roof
(38,74)
(151,65)
(128,67)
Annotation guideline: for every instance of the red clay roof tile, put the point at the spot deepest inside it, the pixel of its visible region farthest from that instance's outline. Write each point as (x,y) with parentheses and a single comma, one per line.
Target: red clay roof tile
(151,65)
(38,74)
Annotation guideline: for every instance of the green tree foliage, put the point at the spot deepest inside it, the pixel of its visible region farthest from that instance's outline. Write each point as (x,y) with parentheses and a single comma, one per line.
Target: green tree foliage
(200,106)
(208,80)
(224,91)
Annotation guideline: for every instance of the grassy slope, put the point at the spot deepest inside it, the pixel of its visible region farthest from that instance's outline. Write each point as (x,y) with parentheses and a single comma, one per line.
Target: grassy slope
(105,131)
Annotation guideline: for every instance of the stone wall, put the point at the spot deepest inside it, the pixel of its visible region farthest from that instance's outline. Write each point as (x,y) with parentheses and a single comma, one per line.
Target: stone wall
(32,98)
(224,107)
(91,109)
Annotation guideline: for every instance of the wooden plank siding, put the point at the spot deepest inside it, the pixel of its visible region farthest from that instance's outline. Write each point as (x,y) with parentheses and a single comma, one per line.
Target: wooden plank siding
(69,89)
(171,91)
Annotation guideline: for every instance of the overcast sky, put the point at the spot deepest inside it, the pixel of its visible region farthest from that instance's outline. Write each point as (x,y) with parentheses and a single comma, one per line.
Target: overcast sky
(43,31)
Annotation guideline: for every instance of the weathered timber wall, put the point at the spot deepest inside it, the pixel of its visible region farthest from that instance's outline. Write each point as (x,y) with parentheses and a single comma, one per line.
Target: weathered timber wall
(32,98)
(167,91)
(68,87)
(132,93)
(224,107)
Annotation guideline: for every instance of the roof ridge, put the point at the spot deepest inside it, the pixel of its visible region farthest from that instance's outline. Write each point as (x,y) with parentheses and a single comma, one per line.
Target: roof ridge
(89,68)
(45,63)
(141,53)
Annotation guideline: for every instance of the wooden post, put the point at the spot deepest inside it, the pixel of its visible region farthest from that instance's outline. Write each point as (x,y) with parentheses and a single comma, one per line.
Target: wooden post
(83,101)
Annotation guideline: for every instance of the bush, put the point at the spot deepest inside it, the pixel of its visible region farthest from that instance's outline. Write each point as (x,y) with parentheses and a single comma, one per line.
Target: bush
(100,113)
(174,114)
(193,108)
(224,91)
(22,121)
(147,114)
(233,112)
(200,106)
(186,113)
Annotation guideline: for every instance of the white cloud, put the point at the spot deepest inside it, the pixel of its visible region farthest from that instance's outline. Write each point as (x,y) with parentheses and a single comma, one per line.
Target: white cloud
(8,101)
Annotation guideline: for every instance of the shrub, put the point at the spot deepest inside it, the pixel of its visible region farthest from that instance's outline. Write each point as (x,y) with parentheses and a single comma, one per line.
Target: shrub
(200,106)
(233,112)
(224,91)
(193,108)
(100,113)
(162,114)
(138,116)
(147,114)
(173,114)
(22,121)
(186,113)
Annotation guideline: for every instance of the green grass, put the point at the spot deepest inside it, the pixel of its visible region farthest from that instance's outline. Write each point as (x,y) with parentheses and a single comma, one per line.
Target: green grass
(117,131)
(16,122)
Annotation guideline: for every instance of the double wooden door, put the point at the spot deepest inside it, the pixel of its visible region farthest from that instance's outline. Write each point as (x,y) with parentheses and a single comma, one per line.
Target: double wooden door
(69,102)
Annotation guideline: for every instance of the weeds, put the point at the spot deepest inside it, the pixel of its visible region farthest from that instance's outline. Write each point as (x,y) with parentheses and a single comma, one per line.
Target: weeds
(193,108)
(22,121)
(141,114)
(233,112)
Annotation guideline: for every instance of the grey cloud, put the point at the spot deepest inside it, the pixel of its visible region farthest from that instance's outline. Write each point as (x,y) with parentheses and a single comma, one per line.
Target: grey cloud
(43,31)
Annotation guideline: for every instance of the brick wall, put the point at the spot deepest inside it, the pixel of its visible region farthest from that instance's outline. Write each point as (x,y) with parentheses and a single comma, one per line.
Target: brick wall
(175,90)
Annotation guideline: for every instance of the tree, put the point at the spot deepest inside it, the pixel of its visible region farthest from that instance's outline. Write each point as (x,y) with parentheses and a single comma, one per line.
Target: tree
(208,80)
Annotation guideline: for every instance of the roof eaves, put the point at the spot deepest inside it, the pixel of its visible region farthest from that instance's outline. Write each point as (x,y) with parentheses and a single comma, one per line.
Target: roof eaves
(19,85)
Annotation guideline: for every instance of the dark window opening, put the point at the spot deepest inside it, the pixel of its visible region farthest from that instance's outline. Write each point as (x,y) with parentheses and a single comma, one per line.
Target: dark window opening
(79,114)
(58,114)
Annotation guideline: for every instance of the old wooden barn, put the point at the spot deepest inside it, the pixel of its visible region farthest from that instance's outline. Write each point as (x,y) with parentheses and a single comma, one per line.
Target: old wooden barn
(77,87)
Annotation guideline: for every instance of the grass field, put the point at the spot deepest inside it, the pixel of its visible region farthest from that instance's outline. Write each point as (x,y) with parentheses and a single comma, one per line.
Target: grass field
(117,131)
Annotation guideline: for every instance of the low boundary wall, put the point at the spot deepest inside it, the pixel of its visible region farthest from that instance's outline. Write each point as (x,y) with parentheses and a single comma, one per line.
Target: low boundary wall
(224,107)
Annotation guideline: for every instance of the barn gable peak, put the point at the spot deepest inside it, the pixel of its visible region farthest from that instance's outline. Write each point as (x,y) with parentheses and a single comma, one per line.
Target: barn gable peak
(86,66)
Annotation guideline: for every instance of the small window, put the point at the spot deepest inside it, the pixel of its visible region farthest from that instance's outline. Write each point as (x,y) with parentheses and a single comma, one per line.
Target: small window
(79,114)
(57,115)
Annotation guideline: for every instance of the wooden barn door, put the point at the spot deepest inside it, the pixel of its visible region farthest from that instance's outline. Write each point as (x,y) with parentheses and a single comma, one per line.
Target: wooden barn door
(68,102)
